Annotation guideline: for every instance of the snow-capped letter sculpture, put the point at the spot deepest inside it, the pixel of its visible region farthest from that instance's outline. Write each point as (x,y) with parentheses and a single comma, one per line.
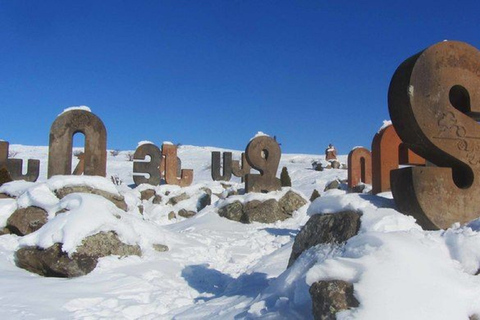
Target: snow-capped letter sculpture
(434,104)
(263,154)
(62,131)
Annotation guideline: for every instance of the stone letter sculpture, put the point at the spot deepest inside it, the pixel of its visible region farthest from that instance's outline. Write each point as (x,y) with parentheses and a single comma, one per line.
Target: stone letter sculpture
(61,136)
(386,147)
(241,169)
(434,103)
(359,167)
(263,154)
(170,153)
(152,167)
(227,166)
(14,166)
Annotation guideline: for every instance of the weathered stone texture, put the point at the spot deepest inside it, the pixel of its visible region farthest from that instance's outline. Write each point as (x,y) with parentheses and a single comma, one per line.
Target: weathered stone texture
(53,262)
(325,228)
(26,220)
(330,297)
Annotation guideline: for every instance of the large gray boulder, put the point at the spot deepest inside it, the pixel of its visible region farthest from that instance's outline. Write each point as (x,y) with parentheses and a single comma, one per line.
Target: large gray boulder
(118,200)
(53,262)
(330,297)
(325,228)
(26,220)
(267,211)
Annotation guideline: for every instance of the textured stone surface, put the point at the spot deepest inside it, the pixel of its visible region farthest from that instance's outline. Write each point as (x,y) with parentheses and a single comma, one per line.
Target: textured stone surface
(330,297)
(160,247)
(157,199)
(26,220)
(285,178)
(186,213)
(171,215)
(335,184)
(325,228)
(314,195)
(174,200)
(53,262)
(118,200)
(203,201)
(291,201)
(4,175)
(268,211)
(152,167)
(147,194)
(335,164)
(265,212)
(232,211)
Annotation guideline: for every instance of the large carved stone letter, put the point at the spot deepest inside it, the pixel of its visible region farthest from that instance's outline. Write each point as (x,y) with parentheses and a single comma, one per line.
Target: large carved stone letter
(434,103)
(359,167)
(152,167)
(263,154)
(170,153)
(386,147)
(227,166)
(241,170)
(61,136)
(14,166)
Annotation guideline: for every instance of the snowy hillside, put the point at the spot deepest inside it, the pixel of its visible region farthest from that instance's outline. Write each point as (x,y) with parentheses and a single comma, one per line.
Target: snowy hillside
(220,269)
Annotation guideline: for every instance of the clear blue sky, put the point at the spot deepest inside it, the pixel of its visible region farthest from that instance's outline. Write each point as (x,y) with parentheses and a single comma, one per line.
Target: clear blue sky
(213,73)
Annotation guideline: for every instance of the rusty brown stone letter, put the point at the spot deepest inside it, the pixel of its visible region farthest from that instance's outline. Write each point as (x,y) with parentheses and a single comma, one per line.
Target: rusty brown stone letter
(386,147)
(434,103)
(14,166)
(359,167)
(241,169)
(170,153)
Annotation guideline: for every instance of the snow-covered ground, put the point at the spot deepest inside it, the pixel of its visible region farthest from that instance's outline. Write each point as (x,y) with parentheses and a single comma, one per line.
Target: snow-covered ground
(220,269)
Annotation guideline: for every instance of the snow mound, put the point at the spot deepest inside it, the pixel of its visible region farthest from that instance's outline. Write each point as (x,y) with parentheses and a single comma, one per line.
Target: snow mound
(84,108)
(86,215)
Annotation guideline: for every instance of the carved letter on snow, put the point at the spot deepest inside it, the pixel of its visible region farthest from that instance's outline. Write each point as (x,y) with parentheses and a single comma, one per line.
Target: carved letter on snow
(434,103)
(227,166)
(263,154)
(152,167)
(61,136)
(170,153)
(359,167)
(14,166)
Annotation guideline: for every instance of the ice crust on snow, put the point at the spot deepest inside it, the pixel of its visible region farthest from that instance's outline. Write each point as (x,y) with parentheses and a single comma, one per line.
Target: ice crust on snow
(144,142)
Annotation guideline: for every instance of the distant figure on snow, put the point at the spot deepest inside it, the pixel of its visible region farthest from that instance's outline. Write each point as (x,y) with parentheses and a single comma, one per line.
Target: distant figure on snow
(330,153)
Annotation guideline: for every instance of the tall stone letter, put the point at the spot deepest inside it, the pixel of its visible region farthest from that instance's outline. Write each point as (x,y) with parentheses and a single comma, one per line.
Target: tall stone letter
(263,154)
(359,167)
(227,166)
(434,103)
(61,136)
(152,167)
(170,153)
(14,166)
(386,146)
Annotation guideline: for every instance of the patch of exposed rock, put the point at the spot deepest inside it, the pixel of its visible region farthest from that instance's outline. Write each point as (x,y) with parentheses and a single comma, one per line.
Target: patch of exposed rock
(53,262)
(118,200)
(267,211)
(26,220)
(330,297)
(325,228)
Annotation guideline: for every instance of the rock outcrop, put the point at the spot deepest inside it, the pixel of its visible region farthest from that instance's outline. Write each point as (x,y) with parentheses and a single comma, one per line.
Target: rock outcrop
(53,262)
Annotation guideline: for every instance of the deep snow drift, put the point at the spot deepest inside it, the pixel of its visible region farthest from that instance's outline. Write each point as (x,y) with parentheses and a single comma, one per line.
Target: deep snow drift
(220,269)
